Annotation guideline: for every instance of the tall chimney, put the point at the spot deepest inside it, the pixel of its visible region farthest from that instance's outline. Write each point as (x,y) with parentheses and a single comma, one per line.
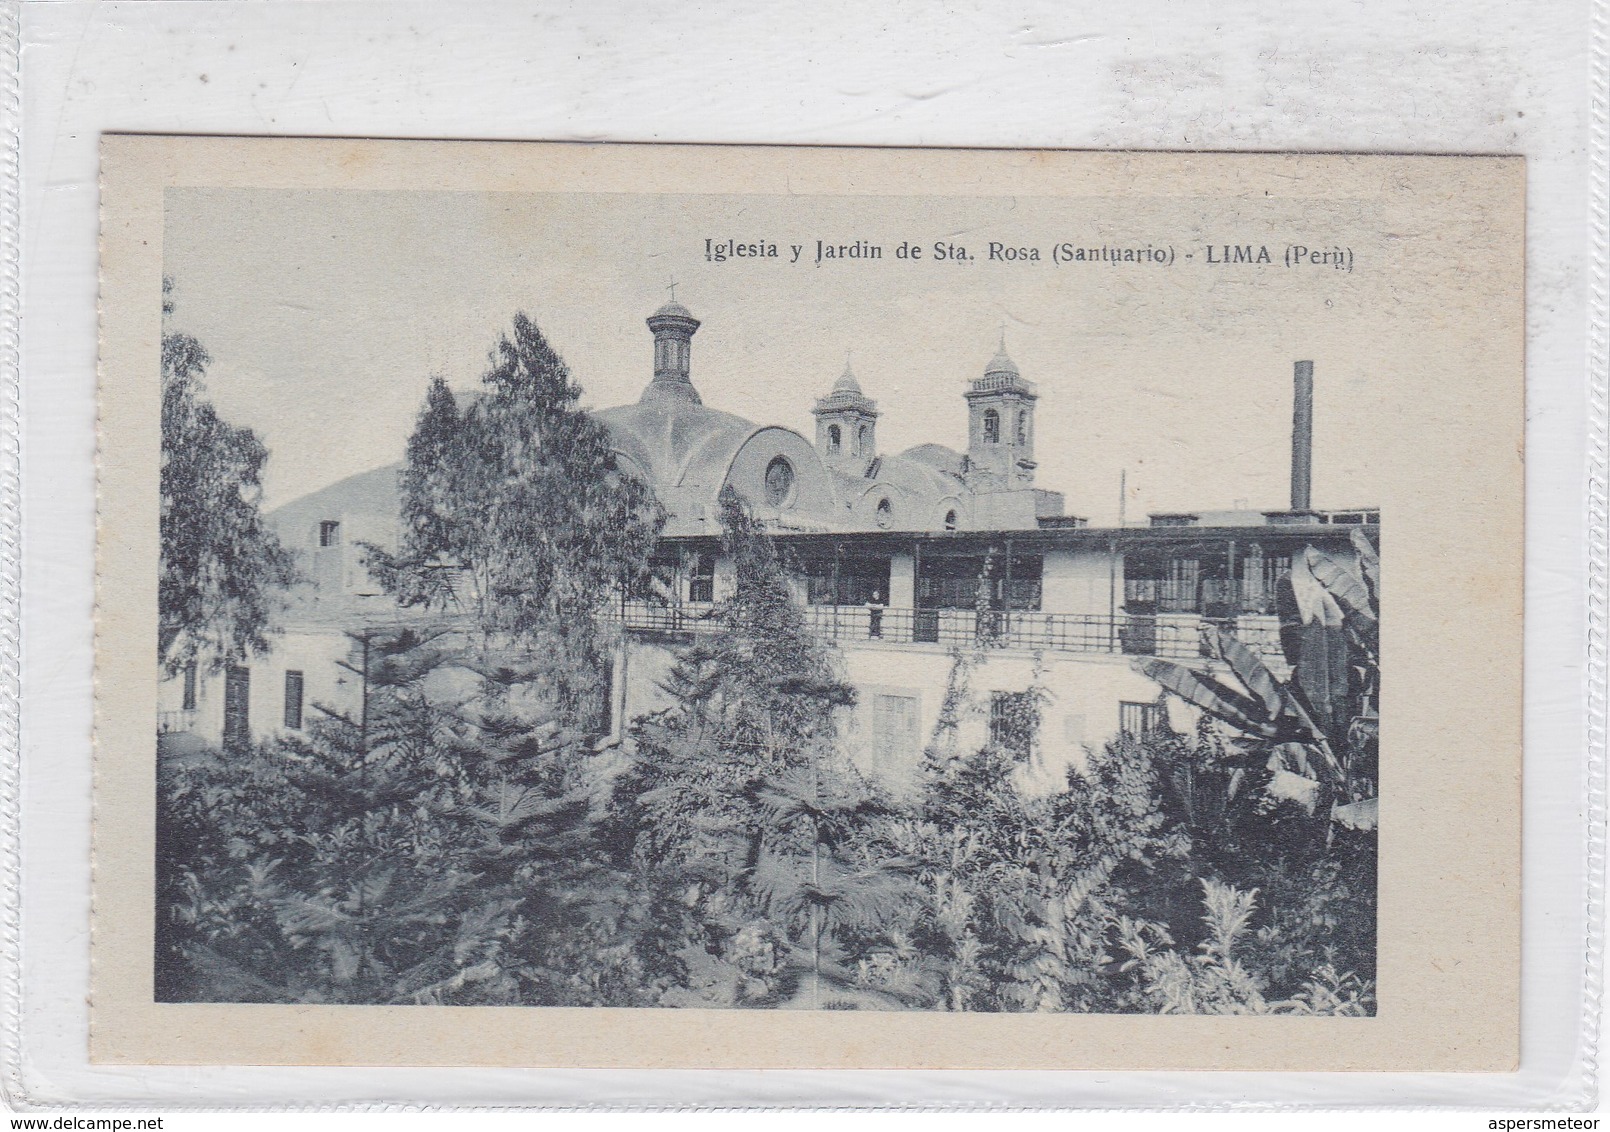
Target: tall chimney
(1302,435)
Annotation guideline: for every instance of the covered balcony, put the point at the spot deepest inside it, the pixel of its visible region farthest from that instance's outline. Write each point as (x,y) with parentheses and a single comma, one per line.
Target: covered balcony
(1176,636)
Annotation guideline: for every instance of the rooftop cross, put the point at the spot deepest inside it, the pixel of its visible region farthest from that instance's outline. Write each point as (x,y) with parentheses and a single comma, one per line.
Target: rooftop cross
(672,288)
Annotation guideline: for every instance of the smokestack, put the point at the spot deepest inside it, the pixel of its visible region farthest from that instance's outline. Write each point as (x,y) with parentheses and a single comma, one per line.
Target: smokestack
(1302,435)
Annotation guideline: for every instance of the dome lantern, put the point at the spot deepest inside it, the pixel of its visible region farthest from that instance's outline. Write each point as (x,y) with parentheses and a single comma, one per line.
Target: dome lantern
(673,326)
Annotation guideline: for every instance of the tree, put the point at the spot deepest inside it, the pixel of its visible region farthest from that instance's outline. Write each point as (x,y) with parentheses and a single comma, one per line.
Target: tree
(222,572)
(516,506)
(1224,975)
(414,849)
(752,836)
(439,843)
(1022,892)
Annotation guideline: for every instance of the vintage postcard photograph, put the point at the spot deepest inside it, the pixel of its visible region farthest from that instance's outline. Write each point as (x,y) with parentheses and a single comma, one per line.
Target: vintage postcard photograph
(590,605)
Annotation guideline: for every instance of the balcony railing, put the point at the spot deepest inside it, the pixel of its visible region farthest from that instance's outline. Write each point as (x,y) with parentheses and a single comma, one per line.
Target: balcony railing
(1170,595)
(1177,636)
(176,721)
(991,383)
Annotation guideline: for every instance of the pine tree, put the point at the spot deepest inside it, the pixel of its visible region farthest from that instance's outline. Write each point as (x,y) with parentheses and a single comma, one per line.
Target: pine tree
(410,850)
(744,821)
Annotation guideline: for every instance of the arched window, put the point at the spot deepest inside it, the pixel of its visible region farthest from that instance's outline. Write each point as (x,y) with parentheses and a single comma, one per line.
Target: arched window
(1023,426)
(834,438)
(779,482)
(861,440)
(885,514)
(950,520)
(992,427)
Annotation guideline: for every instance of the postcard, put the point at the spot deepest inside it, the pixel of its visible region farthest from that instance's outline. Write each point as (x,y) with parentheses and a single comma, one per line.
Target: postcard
(698,606)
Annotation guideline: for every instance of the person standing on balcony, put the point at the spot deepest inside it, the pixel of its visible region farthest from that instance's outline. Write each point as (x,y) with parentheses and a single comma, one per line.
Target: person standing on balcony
(874,614)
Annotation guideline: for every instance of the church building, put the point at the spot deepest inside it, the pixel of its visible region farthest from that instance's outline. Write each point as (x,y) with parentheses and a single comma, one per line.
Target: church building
(904,559)
(687,451)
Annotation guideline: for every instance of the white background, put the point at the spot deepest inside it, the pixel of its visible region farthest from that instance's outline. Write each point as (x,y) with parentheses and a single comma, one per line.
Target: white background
(1511,76)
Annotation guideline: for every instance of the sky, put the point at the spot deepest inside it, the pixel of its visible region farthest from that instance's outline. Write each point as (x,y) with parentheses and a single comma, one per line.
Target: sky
(327,312)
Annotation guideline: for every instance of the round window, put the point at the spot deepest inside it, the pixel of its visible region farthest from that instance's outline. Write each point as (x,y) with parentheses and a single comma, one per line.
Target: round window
(885,514)
(779,482)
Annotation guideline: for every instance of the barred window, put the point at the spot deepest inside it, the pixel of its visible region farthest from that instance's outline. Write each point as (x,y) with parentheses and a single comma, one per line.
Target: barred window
(237,707)
(1139,721)
(1014,717)
(293,700)
(702,582)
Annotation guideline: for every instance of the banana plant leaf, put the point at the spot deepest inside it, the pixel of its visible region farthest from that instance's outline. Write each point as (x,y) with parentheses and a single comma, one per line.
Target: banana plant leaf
(1292,757)
(1204,692)
(1275,696)
(1365,815)
(1368,561)
(1249,669)
(1315,605)
(1321,674)
(1342,583)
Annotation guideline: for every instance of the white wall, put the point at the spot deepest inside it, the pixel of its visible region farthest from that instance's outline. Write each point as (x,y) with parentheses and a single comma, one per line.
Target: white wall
(1082,709)
(902,582)
(313,653)
(1004,511)
(647,664)
(1081,581)
(1081,712)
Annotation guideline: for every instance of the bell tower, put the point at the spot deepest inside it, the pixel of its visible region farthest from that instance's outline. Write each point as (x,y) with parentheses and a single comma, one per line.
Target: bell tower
(1000,426)
(846,423)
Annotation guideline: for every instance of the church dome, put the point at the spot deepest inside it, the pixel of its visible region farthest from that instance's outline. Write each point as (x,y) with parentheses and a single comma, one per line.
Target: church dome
(672,309)
(671,440)
(1000,375)
(1001,364)
(845,396)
